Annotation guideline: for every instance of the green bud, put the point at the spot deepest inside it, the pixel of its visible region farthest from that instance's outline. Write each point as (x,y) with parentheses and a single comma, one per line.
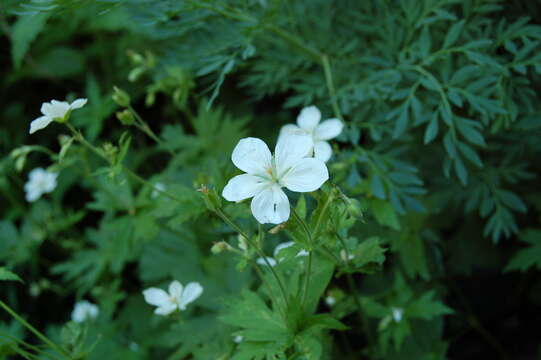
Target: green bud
(125,117)
(219,247)
(121,97)
(212,200)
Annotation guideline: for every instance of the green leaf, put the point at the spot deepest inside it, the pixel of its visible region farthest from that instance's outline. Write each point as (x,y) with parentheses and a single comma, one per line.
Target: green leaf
(411,250)
(432,129)
(377,187)
(369,255)
(385,213)
(6,275)
(426,307)
(453,34)
(25,30)
(529,257)
(402,122)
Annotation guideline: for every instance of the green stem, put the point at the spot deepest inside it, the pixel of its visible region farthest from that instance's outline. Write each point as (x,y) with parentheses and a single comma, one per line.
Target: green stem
(237,228)
(33,330)
(143,126)
(310,254)
(330,85)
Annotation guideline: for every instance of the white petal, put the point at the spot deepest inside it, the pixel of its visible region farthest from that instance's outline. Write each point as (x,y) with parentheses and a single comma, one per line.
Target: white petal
(261,261)
(302,253)
(322,151)
(307,175)
(165,309)
(79,103)
(291,129)
(58,109)
(290,149)
(282,246)
(39,123)
(271,206)
(252,156)
(175,290)
(328,129)
(243,187)
(309,118)
(156,297)
(50,182)
(32,195)
(192,291)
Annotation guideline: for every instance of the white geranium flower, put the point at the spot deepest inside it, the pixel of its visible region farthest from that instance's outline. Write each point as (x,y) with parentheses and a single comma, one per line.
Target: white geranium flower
(308,123)
(177,298)
(285,245)
(238,339)
(40,181)
(84,310)
(330,300)
(261,261)
(397,314)
(55,110)
(266,175)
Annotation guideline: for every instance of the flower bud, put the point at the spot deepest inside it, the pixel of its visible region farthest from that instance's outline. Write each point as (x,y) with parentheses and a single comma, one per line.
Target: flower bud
(125,117)
(219,247)
(121,97)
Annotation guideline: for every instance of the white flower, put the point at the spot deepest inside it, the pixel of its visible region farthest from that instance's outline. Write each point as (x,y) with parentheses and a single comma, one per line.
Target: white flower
(158,188)
(267,174)
(53,111)
(238,339)
(308,123)
(261,261)
(84,310)
(330,300)
(40,181)
(243,245)
(285,245)
(345,257)
(397,314)
(178,297)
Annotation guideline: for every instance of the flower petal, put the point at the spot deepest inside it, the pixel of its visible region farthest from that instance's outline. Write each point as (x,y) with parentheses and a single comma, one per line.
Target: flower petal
(309,118)
(39,123)
(271,206)
(307,175)
(79,103)
(156,297)
(281,246)
(165,309)
(58,109)
(290,149)
(192,291)
(252,156)
(291,129)
(328,129)
(175,289)
(322,151)
(270,261)
(243,187)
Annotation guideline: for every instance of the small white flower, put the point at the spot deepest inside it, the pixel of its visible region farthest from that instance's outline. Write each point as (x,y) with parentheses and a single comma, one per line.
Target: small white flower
(84,310)
(40,181)
(308,123)
(261,261)
(285,245)
(158,188)
(238,339)
(177,298)
(397,314)
(266,175)
(55,110)
(330,300)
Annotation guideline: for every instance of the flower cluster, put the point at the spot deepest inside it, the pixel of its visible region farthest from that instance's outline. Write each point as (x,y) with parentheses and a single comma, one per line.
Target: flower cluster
(83,311)
(298,164)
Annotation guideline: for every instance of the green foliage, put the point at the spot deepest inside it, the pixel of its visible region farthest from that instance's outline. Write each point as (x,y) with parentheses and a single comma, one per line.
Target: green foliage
(432,180)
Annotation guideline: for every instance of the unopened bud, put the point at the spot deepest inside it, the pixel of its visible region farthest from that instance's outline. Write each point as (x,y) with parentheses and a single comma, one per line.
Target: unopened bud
(219,247)
(125,117)
(121,97)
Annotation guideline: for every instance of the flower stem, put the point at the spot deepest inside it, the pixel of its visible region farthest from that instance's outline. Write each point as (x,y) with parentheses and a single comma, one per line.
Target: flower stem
(237,228)
(33,330)
(310,254)
(143,126)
